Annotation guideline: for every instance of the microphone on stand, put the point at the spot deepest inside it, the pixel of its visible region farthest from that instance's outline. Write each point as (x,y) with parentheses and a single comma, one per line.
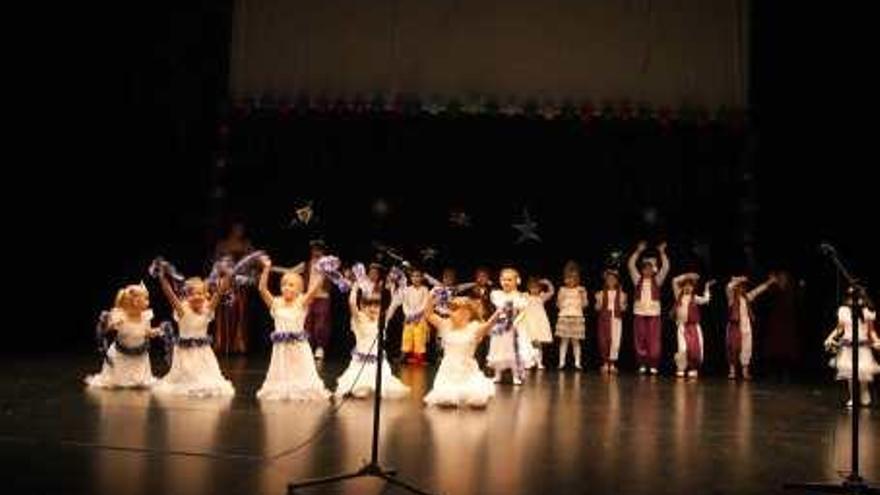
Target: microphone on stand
(827,248)
(387,251)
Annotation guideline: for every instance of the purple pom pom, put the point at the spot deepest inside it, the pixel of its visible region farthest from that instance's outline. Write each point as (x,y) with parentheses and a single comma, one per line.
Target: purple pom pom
(156,266)
(249,263)
(328,264)
(362,282)
(396,276)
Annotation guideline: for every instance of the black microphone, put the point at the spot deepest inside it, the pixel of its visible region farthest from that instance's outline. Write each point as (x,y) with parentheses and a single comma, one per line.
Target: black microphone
(826,248)
(391,254)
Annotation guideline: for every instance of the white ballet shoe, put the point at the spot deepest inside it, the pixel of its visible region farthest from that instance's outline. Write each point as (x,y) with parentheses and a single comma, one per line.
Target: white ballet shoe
(654,371)
(679,374)
(517,381)
(642,370)
(849,404)
(693,374)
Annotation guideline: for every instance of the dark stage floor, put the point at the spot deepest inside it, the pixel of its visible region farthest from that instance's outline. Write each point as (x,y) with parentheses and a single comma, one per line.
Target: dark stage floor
(561,433)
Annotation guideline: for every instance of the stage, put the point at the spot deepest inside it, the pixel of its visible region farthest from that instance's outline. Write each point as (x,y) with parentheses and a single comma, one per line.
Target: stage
(560,433)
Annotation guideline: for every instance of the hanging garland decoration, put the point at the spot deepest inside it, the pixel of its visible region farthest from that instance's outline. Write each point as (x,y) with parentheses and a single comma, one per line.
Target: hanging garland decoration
(383,106)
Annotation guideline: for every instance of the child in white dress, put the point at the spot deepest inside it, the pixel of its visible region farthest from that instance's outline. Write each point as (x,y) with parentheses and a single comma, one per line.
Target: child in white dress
(841,342)
(509,347)
(535,320)
(359,378)
(292,374)
(459,380)
(127,361)
(194,368)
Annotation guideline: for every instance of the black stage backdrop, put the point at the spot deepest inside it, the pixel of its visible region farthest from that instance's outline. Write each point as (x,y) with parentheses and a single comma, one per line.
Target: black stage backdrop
(589,189)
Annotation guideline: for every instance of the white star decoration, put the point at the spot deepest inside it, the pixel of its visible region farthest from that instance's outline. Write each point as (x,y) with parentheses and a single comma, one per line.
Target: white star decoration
(527,228)
(303,215)
(614,258)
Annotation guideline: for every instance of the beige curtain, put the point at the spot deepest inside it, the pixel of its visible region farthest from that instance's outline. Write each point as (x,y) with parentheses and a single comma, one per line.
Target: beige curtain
(660,52)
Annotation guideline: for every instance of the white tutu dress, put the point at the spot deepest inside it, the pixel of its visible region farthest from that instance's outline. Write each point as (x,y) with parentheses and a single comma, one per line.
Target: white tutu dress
(510,346)
(868,366)
(194,368)
(535,321)
(292,374)
(459,380)
(128,359)
(359,379)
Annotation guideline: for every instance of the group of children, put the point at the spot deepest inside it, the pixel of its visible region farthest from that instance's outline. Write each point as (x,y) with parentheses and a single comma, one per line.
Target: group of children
(194,368)
(516,324)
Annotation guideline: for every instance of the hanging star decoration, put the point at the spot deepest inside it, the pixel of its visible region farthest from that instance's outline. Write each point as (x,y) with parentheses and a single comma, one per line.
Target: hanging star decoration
(460,219)
(615,259)
(527,228)
(428,253)
(303,215)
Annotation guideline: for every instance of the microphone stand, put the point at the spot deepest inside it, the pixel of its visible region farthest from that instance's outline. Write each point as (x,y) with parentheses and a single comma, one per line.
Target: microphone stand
(372,468)
(853,483)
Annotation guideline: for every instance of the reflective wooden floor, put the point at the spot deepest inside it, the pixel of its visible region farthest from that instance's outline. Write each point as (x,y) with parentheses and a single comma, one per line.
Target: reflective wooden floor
(560,433)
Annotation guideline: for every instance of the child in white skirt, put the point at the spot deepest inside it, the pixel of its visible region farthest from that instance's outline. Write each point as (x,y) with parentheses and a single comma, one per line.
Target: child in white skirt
(459,380)
(841,341)
(359,378)
(194,368)
(127,361)
(509,347)
(535,320)
(292,374)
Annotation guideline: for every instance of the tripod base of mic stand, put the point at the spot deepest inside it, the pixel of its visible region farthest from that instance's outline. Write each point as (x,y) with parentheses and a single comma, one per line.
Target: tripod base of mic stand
(372,470)
(851,486)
